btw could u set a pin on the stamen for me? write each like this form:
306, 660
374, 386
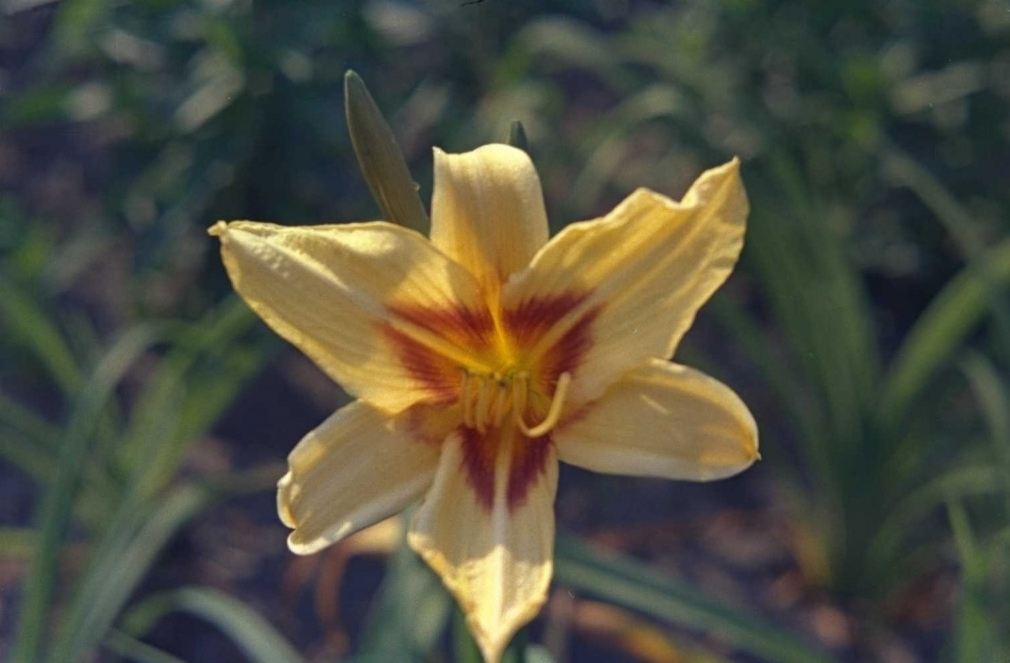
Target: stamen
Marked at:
483, 401
487, 398
557, 402
520, 390
501, 403
466, 399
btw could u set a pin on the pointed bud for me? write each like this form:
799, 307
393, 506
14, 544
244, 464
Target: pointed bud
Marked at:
380, 159
517, 136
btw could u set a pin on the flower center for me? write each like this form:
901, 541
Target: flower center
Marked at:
487, 398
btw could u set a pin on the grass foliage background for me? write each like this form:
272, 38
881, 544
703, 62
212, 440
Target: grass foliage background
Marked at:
868, 325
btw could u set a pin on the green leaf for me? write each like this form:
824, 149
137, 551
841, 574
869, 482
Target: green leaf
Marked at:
605, 150
562, 42
33, 427
25, 321
54, 511
465, 646
137, 651
954, 483
138, 531
940, 331
76, 25
538, 654
204, 369
467, 650
774, 370
977, 633
634, 585
136, 536
26, 441
818, 298
42, 104
381, 161
517, 136
959, 224
994, 397
253, 634
412, 615
17, 543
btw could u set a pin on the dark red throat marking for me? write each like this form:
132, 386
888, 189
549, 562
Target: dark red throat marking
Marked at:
526, 466
471, 331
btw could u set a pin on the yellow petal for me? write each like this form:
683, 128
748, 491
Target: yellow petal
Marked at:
487, 211
355, 469
639, 274
358, 300
662, 420
487, 528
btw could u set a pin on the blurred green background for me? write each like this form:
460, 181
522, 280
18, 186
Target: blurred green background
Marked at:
145, 414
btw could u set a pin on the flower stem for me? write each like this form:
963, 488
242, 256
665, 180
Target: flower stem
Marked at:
464, 645
467, 651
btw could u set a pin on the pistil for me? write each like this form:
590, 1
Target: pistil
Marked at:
553, 413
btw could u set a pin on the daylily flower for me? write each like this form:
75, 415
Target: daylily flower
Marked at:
485, 354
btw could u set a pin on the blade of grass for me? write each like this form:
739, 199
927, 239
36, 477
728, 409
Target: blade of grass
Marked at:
33, 427
211, 387
937, 334
464, 646
26, 455
605, 149
412, 613
539, 654
17, 543
186, 395
819, 296
977, 635
956, 483
774, 371
781, 265
135, 650
958, 223
253, 634
54, 512
27, 322
24, 320
999, 544
634, 585
138, 533
562, 42
119, 566
994, 397
467, 650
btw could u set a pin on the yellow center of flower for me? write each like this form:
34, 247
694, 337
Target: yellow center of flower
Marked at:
487, 398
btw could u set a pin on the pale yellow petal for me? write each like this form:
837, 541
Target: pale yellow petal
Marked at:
358, 467
662, 420
491, 540
639, 274
487, 211
356, 299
